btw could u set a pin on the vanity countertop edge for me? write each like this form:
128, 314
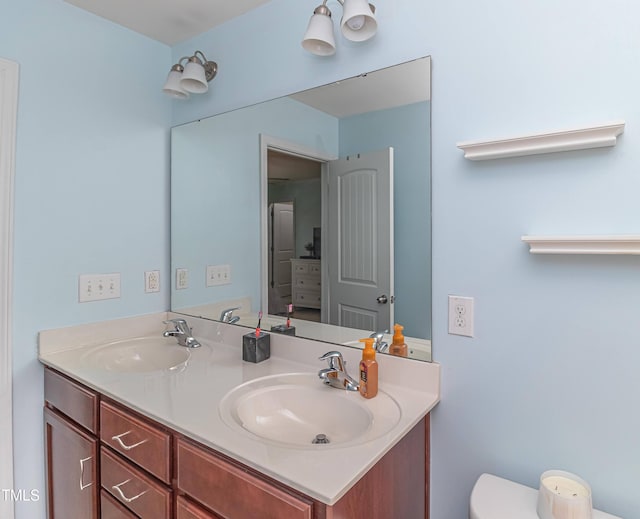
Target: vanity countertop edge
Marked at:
187, 401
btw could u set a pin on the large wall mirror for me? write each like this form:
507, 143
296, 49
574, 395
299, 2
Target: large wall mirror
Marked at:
314, 209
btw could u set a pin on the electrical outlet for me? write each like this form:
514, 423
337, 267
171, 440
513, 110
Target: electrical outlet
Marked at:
182, 279
152, 281
218, 275
95, 287
461, 315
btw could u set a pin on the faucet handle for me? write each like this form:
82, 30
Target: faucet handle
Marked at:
335, 359
227, 313
179, 324
380, 345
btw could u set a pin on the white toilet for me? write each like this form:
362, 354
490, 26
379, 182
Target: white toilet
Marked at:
496, 498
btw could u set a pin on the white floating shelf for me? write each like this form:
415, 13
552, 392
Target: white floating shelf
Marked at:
568, 140
614, 244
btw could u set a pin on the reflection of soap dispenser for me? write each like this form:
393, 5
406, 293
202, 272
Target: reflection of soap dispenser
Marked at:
398, 346
368, 370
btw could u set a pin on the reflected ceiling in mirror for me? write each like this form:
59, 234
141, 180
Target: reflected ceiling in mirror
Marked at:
230, 170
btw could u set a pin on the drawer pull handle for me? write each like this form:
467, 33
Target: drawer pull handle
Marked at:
122, 496
126, 447
82, 483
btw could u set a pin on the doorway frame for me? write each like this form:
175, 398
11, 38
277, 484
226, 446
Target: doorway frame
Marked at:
9, 73
268, 142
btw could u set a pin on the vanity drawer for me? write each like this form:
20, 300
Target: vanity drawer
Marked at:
111, 509
77, 402
188, 510
232, 492
137, 440
314, 269
133, 488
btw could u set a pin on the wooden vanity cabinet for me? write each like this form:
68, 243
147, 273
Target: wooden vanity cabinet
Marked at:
71, 448
71, 468
121, 465
395, 487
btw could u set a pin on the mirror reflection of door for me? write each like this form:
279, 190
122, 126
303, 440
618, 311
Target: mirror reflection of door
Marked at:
281, 251
293, 181
360, 245
350, 281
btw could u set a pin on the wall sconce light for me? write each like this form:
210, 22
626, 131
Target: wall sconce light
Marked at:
191, 78
358, 24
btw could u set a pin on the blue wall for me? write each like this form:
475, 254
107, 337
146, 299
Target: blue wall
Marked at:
91, 188
549, 380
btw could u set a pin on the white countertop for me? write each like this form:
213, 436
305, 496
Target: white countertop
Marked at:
187, 400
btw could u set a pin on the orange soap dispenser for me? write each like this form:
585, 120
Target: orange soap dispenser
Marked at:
398, 346
368, 370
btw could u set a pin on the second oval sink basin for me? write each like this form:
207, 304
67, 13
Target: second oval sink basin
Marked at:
297, 410
139, 355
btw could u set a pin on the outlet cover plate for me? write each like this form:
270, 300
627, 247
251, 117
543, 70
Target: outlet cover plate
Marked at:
461, 315
152, 281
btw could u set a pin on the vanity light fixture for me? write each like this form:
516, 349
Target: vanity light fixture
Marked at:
192, 78
358, 24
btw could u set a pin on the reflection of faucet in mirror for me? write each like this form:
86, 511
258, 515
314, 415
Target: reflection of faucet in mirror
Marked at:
380, 346
336, 374
182, 332
227, 315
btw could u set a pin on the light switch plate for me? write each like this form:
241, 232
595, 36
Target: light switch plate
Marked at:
95, 287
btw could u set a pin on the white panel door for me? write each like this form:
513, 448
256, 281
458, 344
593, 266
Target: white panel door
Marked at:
360, 241
281, 250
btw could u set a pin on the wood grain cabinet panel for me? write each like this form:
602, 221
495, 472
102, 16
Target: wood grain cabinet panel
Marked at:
188, 510
232, 492
71, 468
111, 509
137, 440
77, 402
133, 488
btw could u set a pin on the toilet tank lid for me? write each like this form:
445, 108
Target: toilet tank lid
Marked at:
496, 498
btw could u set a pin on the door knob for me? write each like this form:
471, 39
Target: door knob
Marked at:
382, 299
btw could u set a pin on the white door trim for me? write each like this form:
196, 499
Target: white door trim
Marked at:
275, 143
8, 113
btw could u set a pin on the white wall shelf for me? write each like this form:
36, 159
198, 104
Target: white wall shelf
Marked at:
567, 140
606, 244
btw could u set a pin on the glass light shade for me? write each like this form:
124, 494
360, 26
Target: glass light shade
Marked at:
358, 21
194, 79
172, 85
319, 39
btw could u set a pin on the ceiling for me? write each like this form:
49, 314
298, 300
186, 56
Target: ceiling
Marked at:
168, 21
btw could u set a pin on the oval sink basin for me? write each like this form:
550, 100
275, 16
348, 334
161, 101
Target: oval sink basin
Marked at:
139, 355
297, 410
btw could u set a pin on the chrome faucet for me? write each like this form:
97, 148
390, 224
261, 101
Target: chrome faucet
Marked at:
182, 332
380, 346
227, 315
336, 374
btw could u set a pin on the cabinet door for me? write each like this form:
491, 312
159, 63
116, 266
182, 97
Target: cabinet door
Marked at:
188, 510
72, 471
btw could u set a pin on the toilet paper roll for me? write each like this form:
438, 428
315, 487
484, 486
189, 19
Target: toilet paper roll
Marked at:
563, 495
